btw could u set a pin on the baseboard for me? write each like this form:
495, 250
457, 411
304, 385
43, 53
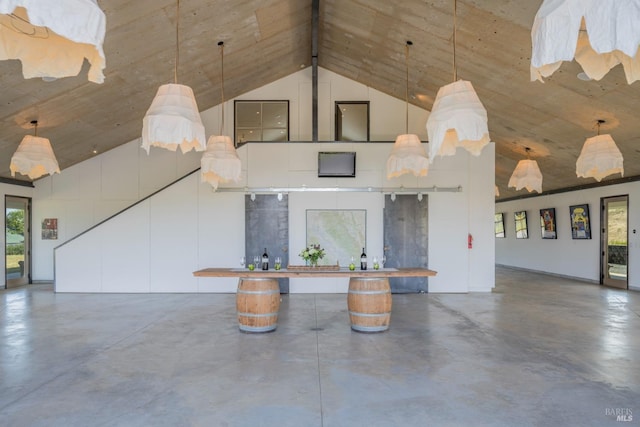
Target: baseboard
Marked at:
547, 273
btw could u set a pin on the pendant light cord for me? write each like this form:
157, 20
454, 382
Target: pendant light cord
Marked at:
175, 70
455, 24
221, 44
406, 91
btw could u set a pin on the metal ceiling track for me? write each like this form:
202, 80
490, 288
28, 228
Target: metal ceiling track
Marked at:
386, 190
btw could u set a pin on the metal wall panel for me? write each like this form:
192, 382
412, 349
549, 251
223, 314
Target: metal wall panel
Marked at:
267, 225
405, 240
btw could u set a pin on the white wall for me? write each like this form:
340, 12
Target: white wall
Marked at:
157, 244
565, 256
211, 230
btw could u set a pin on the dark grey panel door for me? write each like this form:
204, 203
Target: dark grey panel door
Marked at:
267, 226
405, 240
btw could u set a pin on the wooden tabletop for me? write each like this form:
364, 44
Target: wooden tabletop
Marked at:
343, 272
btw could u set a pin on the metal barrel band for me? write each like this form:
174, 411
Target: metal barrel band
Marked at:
257, 315
380, 292
265, 292
357, 313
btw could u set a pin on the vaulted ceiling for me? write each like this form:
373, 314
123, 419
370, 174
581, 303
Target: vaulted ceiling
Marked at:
359, 39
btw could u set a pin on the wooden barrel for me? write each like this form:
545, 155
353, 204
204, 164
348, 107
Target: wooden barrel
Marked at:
369, 303
257, 303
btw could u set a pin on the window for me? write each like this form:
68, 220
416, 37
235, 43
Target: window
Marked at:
352, 121
261, 121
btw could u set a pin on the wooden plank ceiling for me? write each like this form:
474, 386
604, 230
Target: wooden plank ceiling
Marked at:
359, 39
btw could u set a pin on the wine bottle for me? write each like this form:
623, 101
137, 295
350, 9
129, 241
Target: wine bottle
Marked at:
363, 260
265, 260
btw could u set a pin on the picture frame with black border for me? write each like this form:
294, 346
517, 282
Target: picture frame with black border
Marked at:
499, 225
548, 223
580, 222
522, 230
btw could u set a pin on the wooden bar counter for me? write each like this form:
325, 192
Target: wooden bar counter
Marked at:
369, 298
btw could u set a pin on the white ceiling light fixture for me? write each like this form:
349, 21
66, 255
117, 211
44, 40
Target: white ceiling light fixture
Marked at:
220, 162
458, 118
527, 175
600, 157
173, 119
408, 154
599, 34
34, 156
52, 38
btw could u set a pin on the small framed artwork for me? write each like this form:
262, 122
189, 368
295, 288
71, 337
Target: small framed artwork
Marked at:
50, 229
580, 222
499, 225
548, 223
521, 225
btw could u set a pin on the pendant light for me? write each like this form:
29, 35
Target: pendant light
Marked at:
34, 156
600, 157
598, 34
220, 162
53, 38
527, 175
458, 118
173, 119
407, 154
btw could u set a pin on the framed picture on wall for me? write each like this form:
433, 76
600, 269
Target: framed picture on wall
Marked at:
499, 225
50, 229
580, 222
341, 232
548, 223
521, 225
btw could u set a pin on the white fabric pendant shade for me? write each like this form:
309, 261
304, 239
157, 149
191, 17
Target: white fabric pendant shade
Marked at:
173, 120
220, 162
52, 38
600, 157
407, 156
34, 158
612, 37
458, 119
526, 175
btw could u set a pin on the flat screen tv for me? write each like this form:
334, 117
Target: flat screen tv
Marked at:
336, 164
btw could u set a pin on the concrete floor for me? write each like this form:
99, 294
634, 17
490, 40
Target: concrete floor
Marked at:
538, 351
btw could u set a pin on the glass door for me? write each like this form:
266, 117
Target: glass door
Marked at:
614, 241
17, 240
